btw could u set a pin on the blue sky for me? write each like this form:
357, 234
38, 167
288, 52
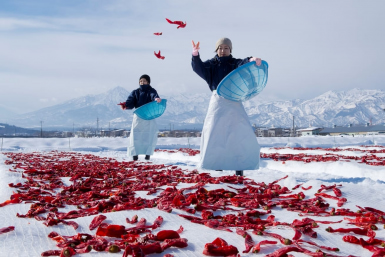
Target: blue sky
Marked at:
52, 51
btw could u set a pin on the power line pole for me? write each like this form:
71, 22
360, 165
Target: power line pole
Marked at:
41, 128
97, 125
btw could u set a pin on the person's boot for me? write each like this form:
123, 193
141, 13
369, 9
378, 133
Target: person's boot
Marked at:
147, 157
239, 172
135, 157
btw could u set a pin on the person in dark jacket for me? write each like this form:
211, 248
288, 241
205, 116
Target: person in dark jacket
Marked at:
144, 133
228, 141
215, 69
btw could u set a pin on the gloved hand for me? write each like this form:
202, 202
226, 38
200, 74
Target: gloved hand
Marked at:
196, 48
257, 61
158, 100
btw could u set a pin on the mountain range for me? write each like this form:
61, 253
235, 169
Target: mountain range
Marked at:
340, 108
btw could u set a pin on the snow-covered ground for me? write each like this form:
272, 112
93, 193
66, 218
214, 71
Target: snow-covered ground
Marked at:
362, 185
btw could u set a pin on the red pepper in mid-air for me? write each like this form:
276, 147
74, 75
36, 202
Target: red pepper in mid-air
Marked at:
180, 24
158, 55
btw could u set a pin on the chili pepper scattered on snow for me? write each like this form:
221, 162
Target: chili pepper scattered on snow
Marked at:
6, 230
101, 185
219, 247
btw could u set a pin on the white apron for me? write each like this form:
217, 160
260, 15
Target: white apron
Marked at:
228, 141
143, 137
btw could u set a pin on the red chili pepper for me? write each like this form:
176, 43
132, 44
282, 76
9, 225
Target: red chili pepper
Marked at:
219, 247
297, 235
283, 251
151, 248
96, 221
133, 220
6, 230
283, 240
358, 231
320, 246
51, 253
307, 188
297, 186
176, 242
362, 219
111, 231
85, 249
351, 239
337, 192
369, 247
166, 234
249, 243
257, 247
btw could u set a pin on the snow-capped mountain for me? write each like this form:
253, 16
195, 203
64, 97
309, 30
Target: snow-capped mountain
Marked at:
355, 106
340, 108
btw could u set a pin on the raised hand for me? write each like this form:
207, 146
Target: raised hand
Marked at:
196, 48
158, 100
257, 61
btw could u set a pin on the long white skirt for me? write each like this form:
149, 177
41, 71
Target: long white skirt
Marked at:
228, 141
143, 137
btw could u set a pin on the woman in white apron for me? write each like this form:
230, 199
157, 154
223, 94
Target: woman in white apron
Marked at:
228, 141
144, 133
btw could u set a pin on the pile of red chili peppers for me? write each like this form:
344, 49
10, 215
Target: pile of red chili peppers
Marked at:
102, 185
369, 158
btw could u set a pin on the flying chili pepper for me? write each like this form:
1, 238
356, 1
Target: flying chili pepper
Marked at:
158, 33
158, 55
123, 105
179, 23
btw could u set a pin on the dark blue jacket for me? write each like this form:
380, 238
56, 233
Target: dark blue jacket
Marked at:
215, 69
141, 96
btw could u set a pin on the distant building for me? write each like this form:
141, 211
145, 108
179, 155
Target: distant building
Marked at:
67, 134
115, 133
179, 133
261, 132
275, 132
309, 131
272, 132
354, 130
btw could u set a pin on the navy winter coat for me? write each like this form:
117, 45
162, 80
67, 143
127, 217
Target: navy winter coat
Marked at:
215, 69
141, 96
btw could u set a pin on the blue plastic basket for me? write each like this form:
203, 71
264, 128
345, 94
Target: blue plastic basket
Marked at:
245, 82
151, 110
